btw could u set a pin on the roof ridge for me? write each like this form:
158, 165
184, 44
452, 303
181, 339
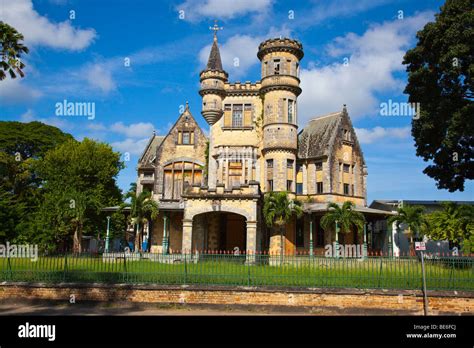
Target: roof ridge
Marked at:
325, 116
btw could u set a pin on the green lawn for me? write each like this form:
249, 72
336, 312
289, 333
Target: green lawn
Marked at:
447, 274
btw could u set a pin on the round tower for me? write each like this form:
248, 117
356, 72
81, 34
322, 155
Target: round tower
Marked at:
280, 88
212, 89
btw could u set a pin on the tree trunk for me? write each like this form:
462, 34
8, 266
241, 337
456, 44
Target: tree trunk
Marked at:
137, 238
77, 239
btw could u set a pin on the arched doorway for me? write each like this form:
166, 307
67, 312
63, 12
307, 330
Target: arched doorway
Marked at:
219, 231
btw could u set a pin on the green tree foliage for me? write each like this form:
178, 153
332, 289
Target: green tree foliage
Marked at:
346, 217
454, 223
22, 146
142, 210
78, 179
278, 209
11, 51
412, 217
440, 77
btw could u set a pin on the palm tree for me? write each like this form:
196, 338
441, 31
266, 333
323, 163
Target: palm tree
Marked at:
412, 216
278, 210
11, 51
345, 216
142, 209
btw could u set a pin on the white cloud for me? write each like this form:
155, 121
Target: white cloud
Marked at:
368, 136
132, 146
198, 10
134, 130
374, 58
14, 91
324, 10
55, 121
99, 76
39, 30
239, 52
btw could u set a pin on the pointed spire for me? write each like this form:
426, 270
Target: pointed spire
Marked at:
186, 109
214, 62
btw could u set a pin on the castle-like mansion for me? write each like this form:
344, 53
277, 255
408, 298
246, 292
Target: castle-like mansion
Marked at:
210, 190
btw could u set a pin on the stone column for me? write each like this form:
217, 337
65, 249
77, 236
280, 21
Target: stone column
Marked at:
187, 236
251, 241
165, 242
305, 179
212, 165
249, 170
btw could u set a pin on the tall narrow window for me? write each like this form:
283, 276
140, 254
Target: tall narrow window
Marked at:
290, 110
319, 166
237, 115
186, 138
346, 168
269, 175
289, 185
299, 179
346, 189
276, 66
319, 187
270, 185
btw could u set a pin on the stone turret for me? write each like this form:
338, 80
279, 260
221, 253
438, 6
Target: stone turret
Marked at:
280, 88
212, 81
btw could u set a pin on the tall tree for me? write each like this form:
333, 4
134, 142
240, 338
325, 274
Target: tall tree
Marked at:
83, 174
440, 77
11, 51
22, 146
278, 209
412, 217
143, 209
345, 216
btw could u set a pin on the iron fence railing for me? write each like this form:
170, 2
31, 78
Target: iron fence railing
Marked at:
442, 273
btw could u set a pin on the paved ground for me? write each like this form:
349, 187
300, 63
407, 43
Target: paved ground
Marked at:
27, 307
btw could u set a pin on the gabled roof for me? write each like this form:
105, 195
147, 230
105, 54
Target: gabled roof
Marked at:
318, 138
149, 153
214, 62
315, 139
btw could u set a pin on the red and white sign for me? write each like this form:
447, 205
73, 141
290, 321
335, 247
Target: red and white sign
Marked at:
420, 246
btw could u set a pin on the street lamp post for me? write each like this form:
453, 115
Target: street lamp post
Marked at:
311, 250
107, 238
165, 235
336, 243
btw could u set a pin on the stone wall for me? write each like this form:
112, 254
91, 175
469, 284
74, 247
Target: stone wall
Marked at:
439, 302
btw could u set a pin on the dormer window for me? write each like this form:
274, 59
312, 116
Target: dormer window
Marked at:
185, 137
346, 135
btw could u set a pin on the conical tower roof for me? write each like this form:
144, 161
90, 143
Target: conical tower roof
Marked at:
214, 62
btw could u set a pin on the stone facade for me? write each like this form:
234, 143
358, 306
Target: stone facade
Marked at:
254, 147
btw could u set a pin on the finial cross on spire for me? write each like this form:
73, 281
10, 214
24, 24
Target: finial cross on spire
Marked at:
215, 28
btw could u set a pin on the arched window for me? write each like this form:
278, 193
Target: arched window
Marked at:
177, 176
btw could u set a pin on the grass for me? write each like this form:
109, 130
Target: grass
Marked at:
403, 273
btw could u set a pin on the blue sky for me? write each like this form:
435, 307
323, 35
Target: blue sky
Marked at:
353, 53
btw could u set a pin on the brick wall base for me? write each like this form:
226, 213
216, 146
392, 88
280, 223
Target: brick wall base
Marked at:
404, 300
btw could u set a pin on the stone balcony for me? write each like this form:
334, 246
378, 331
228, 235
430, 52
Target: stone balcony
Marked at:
250, 190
